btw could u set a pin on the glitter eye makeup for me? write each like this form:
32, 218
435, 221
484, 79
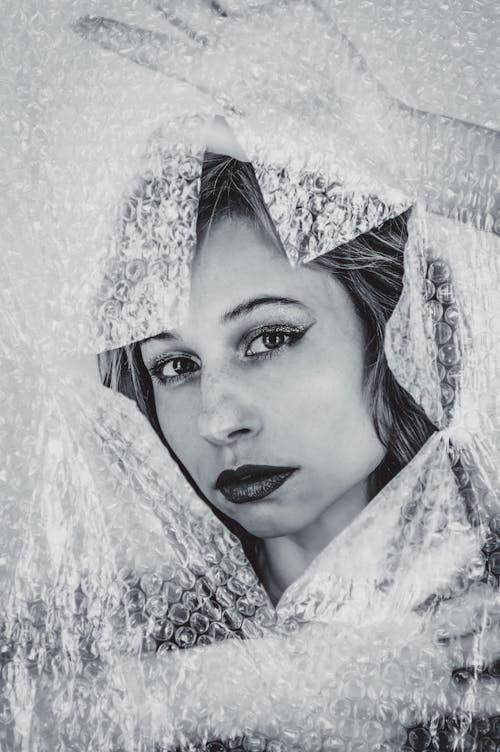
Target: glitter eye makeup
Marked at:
275, 336
273, 339
261, 343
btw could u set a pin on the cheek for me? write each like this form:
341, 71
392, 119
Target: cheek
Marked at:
177, 417
345, 440
322, 405
326, 381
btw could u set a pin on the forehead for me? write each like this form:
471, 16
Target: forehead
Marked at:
237, 262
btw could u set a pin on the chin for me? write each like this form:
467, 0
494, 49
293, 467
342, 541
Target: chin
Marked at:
267, 520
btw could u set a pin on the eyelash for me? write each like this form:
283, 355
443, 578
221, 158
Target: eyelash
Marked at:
294, 333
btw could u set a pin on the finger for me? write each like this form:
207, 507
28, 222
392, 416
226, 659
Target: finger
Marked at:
140, 45
156, 50
476, 609
237, 8
444, 698
203, 21
178, 58
480, 698
218, 8
196, 36
324, 9
196, 20
478, 653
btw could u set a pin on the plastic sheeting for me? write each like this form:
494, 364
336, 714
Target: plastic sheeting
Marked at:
110, 561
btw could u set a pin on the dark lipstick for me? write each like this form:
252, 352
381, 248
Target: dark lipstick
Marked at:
251, 482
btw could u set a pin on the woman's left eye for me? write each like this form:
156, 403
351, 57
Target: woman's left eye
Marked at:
272, 339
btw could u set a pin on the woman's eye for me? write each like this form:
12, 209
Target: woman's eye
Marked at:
168, 370
272, 340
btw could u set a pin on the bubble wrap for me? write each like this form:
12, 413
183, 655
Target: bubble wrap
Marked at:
130, 617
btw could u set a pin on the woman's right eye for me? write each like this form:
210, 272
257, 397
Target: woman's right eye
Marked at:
172, 369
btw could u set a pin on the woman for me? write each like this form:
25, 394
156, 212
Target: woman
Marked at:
219, 388
360, 579
379, 431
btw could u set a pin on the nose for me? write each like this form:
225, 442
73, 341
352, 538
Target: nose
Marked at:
226, 415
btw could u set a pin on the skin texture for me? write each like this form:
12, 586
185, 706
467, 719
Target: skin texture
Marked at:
244, 397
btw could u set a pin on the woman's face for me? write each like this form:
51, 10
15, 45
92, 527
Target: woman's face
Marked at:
266, 370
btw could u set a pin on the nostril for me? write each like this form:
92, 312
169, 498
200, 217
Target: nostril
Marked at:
228, 421
223, 434
238, 431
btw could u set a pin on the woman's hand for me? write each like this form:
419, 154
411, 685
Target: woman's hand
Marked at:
255, 60
284, 68
328, 679
394, 675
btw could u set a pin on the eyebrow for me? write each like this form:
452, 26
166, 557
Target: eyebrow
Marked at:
248, 305
240, 310
162, 335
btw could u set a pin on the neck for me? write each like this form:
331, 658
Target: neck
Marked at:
283, 559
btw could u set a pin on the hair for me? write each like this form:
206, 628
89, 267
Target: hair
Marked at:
371, 269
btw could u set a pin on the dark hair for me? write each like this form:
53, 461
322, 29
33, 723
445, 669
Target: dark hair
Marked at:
371, 270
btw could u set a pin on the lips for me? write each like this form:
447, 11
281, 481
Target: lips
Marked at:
251, 482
